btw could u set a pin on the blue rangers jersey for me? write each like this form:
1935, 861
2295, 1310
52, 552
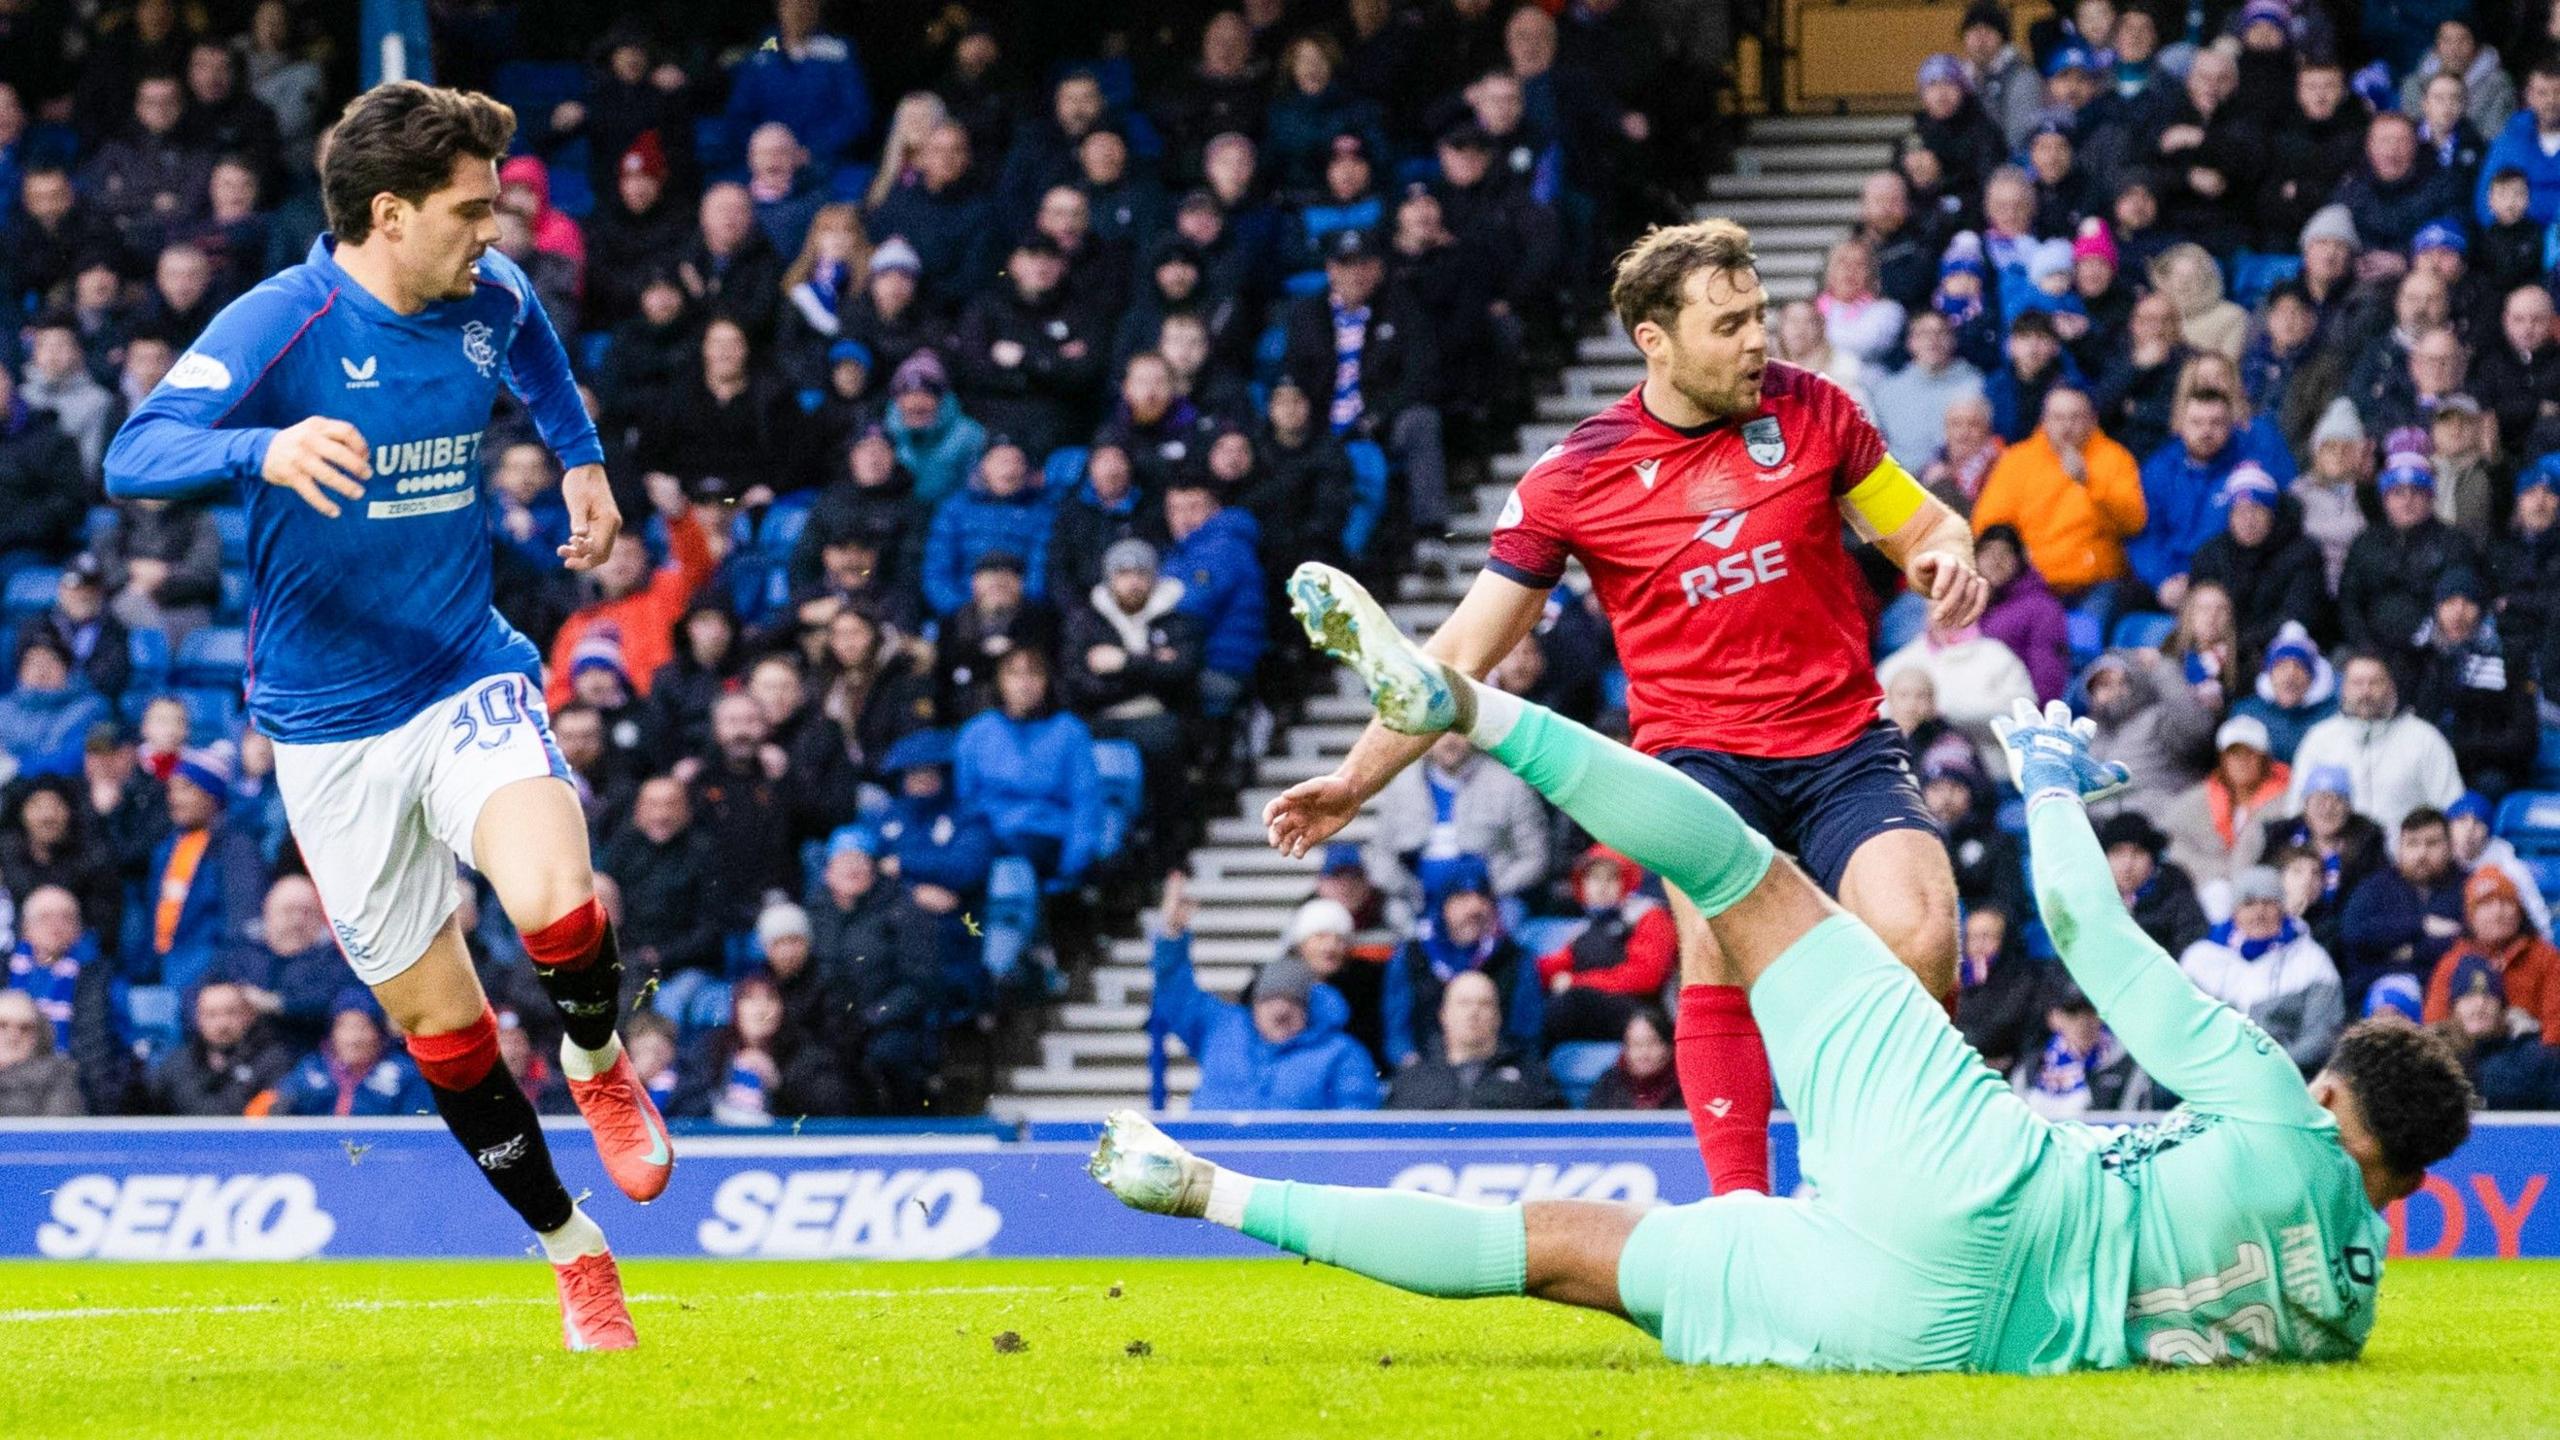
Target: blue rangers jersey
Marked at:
358, 623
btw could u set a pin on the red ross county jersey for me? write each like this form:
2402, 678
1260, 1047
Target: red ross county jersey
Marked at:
1741, 619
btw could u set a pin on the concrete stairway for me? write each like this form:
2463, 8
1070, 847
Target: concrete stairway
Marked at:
1796, 186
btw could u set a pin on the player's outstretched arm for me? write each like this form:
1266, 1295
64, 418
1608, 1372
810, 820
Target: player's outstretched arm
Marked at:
1489, 623
2207, 1052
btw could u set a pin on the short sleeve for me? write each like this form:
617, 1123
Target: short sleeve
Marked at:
1530, 541
1854, 437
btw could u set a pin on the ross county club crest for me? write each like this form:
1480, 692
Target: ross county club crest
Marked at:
1763, 441
477, 349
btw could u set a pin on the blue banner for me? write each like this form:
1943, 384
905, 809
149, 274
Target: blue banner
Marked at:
284, 1190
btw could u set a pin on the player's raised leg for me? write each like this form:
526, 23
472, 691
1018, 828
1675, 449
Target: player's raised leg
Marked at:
453, 1036
531, 841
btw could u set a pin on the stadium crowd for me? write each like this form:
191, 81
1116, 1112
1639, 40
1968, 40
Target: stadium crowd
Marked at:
2231, 328
968, 381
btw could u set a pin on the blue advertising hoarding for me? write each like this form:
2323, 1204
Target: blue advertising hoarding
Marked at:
282, 1190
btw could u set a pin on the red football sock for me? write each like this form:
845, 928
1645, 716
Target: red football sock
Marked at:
570, 942
1724, 1078
458, 1059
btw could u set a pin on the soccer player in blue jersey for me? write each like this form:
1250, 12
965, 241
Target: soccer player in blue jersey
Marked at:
342, 403
1951, 1228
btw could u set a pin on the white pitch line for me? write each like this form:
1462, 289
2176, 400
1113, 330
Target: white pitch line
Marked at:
119, 1312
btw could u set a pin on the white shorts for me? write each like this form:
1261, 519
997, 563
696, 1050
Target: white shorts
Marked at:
381, 820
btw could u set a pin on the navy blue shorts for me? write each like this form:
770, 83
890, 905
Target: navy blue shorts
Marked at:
1819, 808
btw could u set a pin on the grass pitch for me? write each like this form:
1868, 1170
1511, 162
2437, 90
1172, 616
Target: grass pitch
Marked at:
1228, 1348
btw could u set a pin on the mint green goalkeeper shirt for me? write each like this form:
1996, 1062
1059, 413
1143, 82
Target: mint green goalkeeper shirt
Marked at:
2248, 1235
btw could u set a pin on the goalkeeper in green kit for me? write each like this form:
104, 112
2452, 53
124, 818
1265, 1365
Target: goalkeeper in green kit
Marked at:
1949, 1227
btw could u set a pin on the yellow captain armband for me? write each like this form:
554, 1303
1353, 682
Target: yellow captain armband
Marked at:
1888, 497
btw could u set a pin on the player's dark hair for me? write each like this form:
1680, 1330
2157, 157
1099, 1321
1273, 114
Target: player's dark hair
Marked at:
403, 137
1655, 270
2409, 1083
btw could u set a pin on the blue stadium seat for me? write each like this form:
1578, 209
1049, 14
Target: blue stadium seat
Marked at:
594, 349
535, 88
2253, 275
1124, 776
30, 592
2530, 821
759, 565
572, 193
2088, 636
2142, 630
1368, 497
1269, 349
232, 524
212, 714
1577, 1065
151, 1015
234, 605
2546, 761
93, 531
149, 650
1547, 933
850, 182
1063, 471
212, 657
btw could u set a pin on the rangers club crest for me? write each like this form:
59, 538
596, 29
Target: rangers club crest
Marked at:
1763, 441
477, 349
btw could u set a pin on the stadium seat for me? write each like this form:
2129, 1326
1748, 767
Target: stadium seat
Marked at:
1124, 775
2142, 630
1577, 1065
212, 713
1368, 497
1063, 471
593, 350
232, 524
234, 605
2088, 636
535, 88
149, 651
2253, 275
759, 565
151, 1015
850, 183
2546, 761
30, 592
212, 657
1547, 933
93, 531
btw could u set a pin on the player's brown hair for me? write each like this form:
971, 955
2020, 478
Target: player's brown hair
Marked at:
403, 137
1653, 271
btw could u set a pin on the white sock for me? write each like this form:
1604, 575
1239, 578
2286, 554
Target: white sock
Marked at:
580, 1236
1497, 710
1228, 1192
583, 1064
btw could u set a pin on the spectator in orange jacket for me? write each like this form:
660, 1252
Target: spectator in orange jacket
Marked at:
1618, 963
2074, 495
2495, 929
641, 608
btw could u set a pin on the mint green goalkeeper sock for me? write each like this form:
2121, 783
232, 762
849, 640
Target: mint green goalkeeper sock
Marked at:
1423, 1243
1638, 806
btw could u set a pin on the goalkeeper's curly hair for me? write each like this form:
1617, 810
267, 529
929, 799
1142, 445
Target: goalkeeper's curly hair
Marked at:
2410, 1085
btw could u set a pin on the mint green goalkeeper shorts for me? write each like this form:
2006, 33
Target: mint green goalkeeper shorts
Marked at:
1933, 1189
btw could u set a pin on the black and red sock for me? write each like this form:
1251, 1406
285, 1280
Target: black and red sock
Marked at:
488, 1112
579, 963
1725, 1082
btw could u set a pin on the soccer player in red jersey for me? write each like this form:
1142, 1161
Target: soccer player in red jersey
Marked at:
1707, 508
